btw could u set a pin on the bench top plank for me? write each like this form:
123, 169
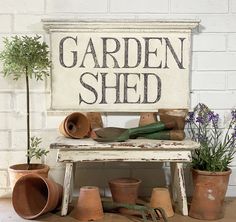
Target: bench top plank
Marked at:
63, 143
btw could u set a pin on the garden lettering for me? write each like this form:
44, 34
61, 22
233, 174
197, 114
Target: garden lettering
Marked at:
123, 69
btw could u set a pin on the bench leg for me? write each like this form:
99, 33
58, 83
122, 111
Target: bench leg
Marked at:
66, 189
178, 187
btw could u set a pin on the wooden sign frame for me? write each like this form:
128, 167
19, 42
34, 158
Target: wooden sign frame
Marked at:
120, 66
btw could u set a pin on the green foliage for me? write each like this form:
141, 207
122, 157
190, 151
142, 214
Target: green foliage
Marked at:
217, 148
34, 150
28, 57
25, 56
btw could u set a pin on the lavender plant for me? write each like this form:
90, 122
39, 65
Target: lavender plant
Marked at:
217, 146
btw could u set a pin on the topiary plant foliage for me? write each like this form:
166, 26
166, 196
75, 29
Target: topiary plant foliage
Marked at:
26, 57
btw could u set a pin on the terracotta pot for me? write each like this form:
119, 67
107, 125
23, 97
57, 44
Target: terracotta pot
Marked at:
95, 120
76, 125
147, 118
161, 198
176, 115
209, 193
19, 170
124, 190
89, 205
34, 195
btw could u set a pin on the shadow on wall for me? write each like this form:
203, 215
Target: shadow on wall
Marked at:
98, 174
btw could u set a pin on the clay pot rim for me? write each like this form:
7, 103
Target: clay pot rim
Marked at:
183, 112
14, 168
72, 115
160, 188
132, 181
89, 187
211, 173
34, 175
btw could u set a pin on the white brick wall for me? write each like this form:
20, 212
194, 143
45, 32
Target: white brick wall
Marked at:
79, 6
140, 6
210, 42
200, 6
213, 79
24, 6
6, 23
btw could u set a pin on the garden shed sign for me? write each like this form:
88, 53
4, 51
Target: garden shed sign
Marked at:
115, 65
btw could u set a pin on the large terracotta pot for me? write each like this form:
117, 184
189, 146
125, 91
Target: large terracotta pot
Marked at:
19, 170
89, 205
34, 195
76, 125
209, 193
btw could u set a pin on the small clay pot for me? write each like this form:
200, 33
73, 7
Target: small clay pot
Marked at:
19, 170
209, 193
75, 125
176, 115
34, 195
125, 190
89, 205
95, 120
147, 118
161, 198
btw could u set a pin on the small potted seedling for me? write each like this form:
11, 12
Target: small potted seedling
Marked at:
26, 57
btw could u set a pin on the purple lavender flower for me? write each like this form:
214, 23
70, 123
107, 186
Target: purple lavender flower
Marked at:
214, 117
202, 138
190, 118
234, 134
200, 120
210, 115
233, 113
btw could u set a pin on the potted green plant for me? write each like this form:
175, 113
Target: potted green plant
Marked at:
210, 164
26, 57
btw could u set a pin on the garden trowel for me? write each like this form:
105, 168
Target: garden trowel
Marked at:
116, 134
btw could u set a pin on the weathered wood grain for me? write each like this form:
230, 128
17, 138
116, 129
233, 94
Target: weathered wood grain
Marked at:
135, 144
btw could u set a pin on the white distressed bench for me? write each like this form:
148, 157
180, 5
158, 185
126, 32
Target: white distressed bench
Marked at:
140, 150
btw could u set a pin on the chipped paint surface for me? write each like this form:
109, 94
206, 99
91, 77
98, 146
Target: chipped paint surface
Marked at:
128, 155
67, 143
139, 150
211, 197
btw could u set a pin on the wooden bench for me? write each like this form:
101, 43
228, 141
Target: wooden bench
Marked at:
71, 151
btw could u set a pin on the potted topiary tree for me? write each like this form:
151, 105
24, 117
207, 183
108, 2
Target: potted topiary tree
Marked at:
26, 57
210, 165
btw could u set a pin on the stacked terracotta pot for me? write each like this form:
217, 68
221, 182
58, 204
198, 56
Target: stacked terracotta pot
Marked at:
34, 195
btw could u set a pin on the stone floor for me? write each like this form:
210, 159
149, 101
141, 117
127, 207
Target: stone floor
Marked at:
7, 214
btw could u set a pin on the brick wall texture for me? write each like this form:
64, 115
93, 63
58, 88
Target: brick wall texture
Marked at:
213, 79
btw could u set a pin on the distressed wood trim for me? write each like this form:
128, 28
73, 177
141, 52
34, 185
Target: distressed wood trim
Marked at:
178, 187
128, 155
51, 25
135, 144
66, 189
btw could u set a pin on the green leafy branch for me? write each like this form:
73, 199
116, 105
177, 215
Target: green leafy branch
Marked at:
34, 150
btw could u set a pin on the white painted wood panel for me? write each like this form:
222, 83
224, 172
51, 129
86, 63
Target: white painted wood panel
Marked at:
125, 66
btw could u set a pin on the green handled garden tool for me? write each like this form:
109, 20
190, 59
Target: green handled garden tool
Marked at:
143, 210
165, 135
116, 134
